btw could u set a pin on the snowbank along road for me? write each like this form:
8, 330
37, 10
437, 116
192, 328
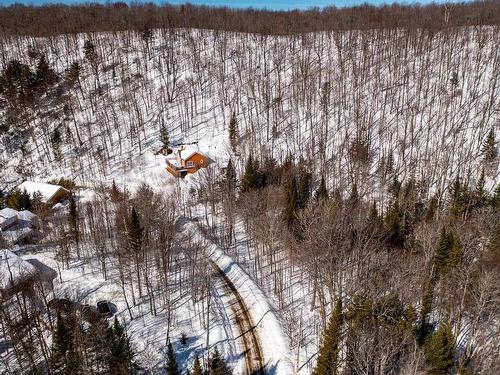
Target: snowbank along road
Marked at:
247, 334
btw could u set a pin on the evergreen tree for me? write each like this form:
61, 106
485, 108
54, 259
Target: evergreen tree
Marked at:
120, 352
480, 196
45, 76
321, 194
252, 178
25, 202
217, 365
90, 52
304, 190
489, 149
328, 358
73, 74
448, 253
375, 224
164, 136
233, 133
60, 344
424, 328
135, 231
230, 181
459, 198
73, 218
394, 225
197, 369
440, 350
172, 368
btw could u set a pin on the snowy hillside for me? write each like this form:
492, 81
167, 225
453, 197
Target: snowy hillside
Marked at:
375, 186
347, 102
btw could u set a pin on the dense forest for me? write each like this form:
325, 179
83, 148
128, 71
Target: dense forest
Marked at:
355, 180
119, 16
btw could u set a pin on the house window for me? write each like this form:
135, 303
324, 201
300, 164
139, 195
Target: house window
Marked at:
189, 164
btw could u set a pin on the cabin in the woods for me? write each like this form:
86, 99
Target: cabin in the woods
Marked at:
48, 193
186, 159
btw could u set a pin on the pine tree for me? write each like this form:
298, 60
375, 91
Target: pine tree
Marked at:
165, 141
252, 178
440, 350
120, 351
197, 369
135, 231
60, 345
321, 194
448, 253
459, 198
233, 133
304, 190
424, 328
230, 181
217, 365
394, 225
89, 51
489, 149
73, 218
328, 358
25, 202
73, 74
480, 196
45, 76
172, 368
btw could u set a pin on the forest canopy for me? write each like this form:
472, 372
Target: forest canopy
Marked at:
58, 19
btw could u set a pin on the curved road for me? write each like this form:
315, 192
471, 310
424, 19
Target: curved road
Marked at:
250, 341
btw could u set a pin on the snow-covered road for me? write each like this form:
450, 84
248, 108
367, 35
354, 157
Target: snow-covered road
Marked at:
264, 321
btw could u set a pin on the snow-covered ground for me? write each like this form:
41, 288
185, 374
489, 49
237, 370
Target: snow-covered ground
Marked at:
402, 103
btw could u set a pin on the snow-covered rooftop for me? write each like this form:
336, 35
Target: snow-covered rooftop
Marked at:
47, 191
13, 269
187, 151
8, 216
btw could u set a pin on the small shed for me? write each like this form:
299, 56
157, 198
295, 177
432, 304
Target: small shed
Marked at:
49, 193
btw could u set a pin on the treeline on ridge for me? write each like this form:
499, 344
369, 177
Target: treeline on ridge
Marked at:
59, 19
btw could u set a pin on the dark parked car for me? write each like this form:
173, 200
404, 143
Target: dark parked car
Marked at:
104, 308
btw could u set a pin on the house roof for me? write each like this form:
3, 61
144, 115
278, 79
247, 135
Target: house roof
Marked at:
13, 269
7, 213
188, 151
47, 191
26, 215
